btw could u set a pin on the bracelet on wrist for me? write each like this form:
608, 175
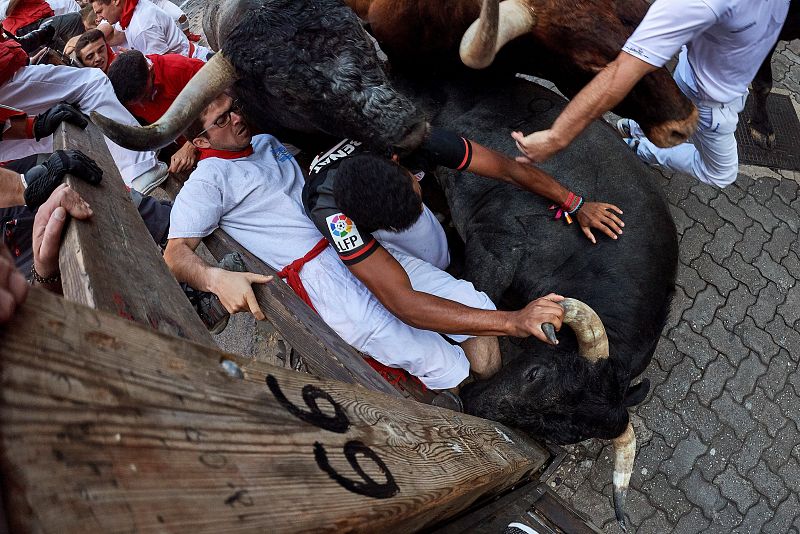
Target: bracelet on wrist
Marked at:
39, 279
569, 207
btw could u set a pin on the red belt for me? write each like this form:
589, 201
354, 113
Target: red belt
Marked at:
292, 271
191, 49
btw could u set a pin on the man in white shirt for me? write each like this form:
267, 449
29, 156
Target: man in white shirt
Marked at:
722, 43
143, 26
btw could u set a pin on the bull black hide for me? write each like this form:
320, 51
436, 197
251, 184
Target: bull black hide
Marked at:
516, 252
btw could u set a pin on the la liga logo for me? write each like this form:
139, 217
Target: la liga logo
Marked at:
341, 225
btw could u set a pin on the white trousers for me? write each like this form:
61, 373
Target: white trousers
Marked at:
37, 88
354, 313
710, 155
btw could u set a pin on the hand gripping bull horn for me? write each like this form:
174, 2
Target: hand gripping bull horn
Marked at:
499, 23
211, 80
593, 345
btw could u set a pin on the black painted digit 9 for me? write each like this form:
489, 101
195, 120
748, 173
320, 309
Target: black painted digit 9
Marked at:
366, 486
338, 423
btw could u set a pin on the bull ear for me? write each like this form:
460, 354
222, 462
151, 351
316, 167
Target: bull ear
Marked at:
636, 394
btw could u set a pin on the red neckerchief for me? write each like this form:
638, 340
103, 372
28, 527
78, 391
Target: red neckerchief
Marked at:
127, 13
224, 154
110, 56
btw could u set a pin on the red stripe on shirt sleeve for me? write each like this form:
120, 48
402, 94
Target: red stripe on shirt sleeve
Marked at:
369, 246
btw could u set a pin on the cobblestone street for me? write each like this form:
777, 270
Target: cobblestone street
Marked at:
719, 446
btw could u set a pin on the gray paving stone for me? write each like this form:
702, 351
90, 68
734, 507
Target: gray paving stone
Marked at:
784, 336
698, 417
666, 497
790, 308
704, 193
725, 342
772, 271
693, 523
785, 212
759, 213
705, 306
778, 369
768, 484
688, 280
734, 414
784, 516
586, 500
744, 272
680, 303
736, 488
757, 339
780, 242
735, 308
766, 306
753, 447
724, 448
762, 188
792, 263
752, 242
716, 274
657, 523
721, 245
692, 243
682, 221
730, 212
677, 385
787, 400
787, 190
789, 472
666, 355
755, 518
692, 344
747, 372
725, 521
666, 423
702, 494
683, 458
715, 376
765, 411
678, 187
734, 192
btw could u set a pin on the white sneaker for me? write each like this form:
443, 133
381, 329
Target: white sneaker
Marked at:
148, 181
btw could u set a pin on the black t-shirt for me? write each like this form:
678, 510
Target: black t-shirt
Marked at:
440, 148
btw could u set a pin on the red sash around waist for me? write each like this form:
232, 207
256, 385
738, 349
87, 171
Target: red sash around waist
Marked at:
292, 271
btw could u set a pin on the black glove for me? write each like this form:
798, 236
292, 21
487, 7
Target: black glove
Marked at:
41, 37
43, 179
46, 123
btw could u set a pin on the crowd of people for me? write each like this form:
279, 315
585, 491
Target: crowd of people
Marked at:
351, 236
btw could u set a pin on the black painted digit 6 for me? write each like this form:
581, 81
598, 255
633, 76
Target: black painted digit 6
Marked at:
366, 486
338, 423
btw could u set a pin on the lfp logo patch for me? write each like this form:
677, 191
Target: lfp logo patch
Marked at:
344, 232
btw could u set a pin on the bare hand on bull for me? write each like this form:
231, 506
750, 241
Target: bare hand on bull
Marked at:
537, 146
529, 320
600, 215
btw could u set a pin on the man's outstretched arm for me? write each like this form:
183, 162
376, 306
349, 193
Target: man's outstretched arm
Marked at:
492, 164
605, 91
388, 281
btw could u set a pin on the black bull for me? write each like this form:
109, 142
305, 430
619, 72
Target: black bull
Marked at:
516, 252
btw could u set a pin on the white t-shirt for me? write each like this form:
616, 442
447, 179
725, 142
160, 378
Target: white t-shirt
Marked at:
727, 40
257, 200
62, 7
152, 31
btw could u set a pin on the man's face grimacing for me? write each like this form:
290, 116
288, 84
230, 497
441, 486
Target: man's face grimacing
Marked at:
95, 55
110, 12
225, 128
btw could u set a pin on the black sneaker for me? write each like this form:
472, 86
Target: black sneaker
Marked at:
449, 400
519, 528
208, 306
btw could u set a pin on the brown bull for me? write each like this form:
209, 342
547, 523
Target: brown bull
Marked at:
565, 41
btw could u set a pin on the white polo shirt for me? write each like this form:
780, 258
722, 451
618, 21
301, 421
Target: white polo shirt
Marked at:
152, 31
727, 40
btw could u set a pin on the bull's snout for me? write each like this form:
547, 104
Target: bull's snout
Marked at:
673, 132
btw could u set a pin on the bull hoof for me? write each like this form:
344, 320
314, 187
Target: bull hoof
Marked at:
763, 139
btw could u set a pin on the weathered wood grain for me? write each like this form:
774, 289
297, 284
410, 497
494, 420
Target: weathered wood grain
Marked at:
107, 426
110, 262
325, 353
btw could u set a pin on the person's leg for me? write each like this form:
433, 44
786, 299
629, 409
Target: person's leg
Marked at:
37, 88
483, 353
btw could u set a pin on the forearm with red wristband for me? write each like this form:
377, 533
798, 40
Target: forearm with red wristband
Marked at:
569, 207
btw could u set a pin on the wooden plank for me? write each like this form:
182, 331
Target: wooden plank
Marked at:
325, 353
111, 262
108, 426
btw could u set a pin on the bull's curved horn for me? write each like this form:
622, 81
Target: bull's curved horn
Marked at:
211, 80
497, 25
624, 455
588, 328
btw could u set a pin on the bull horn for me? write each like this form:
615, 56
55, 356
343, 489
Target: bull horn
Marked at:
624, 455
211, 80
588, 328
497, 24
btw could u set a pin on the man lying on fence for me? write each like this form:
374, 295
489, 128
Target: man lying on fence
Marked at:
251, 187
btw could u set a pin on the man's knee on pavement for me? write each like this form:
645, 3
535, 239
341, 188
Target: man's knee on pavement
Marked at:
483, 353
718, 175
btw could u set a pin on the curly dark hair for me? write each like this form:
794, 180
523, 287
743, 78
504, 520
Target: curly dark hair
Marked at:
376, 193
128, 74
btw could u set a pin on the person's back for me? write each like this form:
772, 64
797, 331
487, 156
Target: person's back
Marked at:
152, 31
